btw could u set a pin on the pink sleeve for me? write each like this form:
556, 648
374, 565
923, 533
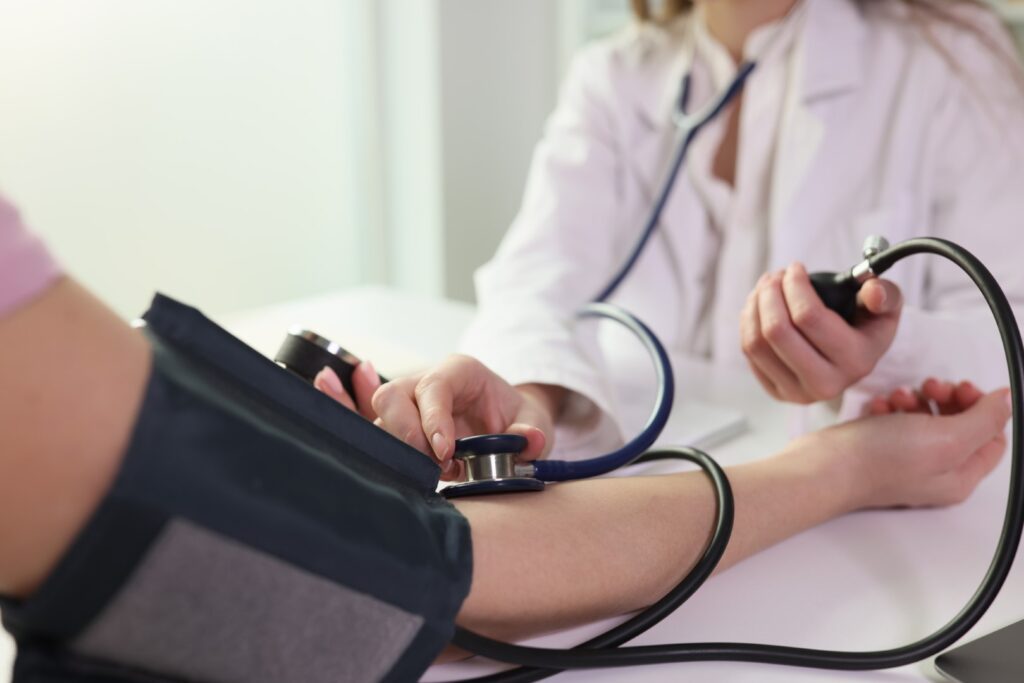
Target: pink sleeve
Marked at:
26, 267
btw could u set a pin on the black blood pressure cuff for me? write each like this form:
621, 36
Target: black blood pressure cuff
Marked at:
257, 531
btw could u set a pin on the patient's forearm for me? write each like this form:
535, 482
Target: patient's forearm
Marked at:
586, 550
73, 377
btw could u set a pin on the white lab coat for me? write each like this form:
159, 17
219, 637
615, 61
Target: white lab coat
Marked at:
878, 133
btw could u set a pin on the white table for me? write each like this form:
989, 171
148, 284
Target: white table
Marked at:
870, 580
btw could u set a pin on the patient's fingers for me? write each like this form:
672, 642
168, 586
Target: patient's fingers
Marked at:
905, 400
967, 395
879, 406
365, 382
328, 382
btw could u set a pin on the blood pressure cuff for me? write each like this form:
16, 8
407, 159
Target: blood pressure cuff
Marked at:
257, 531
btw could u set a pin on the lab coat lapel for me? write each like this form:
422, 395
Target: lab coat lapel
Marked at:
656, 137
688, 238
830, 58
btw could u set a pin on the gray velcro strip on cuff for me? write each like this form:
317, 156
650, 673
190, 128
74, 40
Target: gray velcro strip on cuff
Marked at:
204, 607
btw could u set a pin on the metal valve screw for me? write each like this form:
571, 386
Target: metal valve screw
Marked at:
874, 244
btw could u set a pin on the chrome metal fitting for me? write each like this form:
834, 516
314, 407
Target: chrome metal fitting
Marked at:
874, 245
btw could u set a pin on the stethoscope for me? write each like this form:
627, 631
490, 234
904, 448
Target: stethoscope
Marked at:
491, 461
492, 466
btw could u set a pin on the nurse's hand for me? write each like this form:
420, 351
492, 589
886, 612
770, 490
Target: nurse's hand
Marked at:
462, 397
802, 351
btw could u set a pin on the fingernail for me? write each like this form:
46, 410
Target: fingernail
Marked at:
440, 446
331, 381
884, 295
447, 466
1009, 400
366, 367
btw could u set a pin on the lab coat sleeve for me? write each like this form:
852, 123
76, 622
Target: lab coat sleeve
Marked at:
556, 256
976, 148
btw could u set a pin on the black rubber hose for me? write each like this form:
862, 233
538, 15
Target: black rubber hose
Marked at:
677, 596
551, 660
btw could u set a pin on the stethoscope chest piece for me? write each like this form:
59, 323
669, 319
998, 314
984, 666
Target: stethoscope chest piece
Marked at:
491, 466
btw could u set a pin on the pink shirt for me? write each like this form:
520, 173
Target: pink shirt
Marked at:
26, 267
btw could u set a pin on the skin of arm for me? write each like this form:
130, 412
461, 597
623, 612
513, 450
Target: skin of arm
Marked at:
73, 380
660, 525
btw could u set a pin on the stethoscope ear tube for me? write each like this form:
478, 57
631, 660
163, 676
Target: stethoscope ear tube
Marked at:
564, 470
602, 651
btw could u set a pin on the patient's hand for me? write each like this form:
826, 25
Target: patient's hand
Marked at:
916, 458
365, 381
934, 396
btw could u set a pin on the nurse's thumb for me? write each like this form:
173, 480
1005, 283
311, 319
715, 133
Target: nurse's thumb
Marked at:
536, 440
880, 297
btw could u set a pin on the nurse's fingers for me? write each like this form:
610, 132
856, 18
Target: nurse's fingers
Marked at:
819, 379
781, 382
536, 440
329, 383
750, 339
435, 401
880, 297
398, 413
821, 326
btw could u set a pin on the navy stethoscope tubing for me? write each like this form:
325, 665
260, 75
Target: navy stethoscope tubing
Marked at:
519, 477
689, 125
565, 470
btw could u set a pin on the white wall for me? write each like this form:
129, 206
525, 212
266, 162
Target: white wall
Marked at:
499, 78
465, 88
209, 149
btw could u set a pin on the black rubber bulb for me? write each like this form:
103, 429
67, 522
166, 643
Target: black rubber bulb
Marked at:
838, 291
306, 353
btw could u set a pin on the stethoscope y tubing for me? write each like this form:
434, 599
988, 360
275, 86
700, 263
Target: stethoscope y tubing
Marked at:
602, 651
689, 125
565, 470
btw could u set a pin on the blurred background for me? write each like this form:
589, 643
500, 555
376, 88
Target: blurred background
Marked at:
239, 153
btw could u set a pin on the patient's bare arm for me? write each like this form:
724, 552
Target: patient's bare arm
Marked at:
634, 538
73, 376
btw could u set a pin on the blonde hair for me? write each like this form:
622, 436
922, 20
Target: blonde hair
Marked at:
924, 13
670, 9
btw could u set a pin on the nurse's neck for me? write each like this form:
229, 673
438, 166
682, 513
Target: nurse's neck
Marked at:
731, 21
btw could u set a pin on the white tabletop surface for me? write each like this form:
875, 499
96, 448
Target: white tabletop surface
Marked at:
871, 580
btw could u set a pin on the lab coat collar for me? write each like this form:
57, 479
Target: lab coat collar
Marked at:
832, 40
